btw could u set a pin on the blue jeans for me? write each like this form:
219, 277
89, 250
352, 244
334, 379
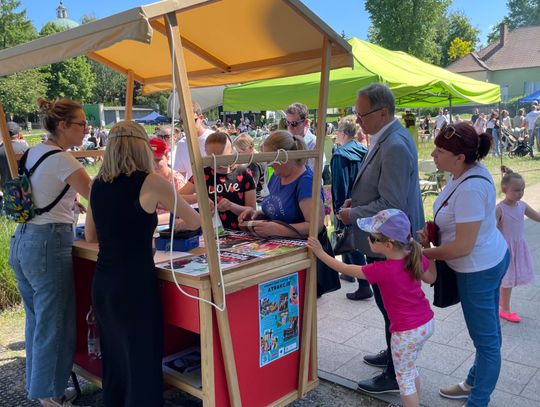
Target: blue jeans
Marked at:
479, 294
495, 140
40, 256
533, 134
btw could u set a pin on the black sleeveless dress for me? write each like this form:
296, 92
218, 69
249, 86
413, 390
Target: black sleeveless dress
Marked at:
125, 295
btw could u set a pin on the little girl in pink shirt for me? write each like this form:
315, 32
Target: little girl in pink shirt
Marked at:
399, 278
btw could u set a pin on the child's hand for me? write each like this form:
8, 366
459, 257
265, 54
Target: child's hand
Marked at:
247, 214
224, 205
315, 246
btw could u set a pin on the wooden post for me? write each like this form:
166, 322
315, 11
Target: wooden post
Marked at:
182, 85
10, 154
309, 328
129, 96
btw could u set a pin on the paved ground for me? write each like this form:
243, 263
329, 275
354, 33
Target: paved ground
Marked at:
349, 330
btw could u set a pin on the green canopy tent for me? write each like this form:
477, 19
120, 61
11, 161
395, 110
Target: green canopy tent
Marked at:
415, 84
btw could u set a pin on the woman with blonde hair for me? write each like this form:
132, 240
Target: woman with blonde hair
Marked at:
288, 205
122, 218
40, 253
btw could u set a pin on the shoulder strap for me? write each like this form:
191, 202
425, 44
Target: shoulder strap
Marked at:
22, 165
454, 190
41, 159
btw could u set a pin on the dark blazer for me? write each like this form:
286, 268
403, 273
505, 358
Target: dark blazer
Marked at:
388, 178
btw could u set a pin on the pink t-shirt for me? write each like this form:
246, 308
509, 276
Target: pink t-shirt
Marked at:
404, 300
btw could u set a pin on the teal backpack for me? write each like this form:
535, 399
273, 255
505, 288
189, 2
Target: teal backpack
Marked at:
18, 203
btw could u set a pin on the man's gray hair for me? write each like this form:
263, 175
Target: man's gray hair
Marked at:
299, 109
379, 96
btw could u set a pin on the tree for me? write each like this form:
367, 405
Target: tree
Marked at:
521, 13
19, 92
458, 26
458, 48
407, 25
110, 87
73, 78
15, 28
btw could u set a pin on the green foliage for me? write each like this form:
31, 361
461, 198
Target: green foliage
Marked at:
73, 78
15, 28
521, 13
110, 87
20, 91
458, 48
456, 25
158, 98
9, 294
407, 25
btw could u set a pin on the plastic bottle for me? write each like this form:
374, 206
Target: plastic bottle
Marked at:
94, 347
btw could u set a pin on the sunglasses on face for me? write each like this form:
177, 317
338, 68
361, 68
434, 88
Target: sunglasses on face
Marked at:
448, 131
374, 239
294, 123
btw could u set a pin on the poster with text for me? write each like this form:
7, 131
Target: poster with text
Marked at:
278, 318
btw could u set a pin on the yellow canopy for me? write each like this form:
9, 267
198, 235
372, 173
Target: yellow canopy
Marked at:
276, 38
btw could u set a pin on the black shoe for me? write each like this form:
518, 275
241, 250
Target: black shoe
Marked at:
378, 360
345, 277
379, 384
363, 293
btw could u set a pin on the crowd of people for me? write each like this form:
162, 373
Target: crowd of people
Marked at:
375, 196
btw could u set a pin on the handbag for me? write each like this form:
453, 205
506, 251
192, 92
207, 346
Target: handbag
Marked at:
344, 240
445, 287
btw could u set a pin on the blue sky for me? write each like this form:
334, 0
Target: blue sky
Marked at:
341, 15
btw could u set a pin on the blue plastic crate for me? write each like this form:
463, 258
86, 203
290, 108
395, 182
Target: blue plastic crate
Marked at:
179, 245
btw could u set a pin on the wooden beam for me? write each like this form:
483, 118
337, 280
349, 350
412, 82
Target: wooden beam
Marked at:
309, 332
191, 46
8, 147
182, 85
129, 96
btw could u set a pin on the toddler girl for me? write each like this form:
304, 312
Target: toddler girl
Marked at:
234, 187
244, 144
398, 277
511, 223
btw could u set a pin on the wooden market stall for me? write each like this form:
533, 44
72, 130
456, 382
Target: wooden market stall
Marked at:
183, 43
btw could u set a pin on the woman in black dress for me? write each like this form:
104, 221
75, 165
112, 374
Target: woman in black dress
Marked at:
122, 218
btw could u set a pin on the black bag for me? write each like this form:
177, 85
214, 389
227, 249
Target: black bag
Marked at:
445, 288
327, 278
344, 240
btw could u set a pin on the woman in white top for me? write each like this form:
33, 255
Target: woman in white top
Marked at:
40, 255
472, 245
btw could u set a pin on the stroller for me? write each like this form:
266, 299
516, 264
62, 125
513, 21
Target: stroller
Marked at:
515, 146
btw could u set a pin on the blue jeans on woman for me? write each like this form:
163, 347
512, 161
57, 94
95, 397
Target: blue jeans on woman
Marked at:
479, 294
40, 256
495, 140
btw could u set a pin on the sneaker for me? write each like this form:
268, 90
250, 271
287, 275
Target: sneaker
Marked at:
378, 360
457, 391
381, 383
362, 293
510, 316
51, 402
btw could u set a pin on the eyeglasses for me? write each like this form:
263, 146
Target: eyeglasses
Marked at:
82, 124
448, 132
361, 116
294, 123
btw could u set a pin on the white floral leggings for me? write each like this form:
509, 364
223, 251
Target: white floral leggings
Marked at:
405, 346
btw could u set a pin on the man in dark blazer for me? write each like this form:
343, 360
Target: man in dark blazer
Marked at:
387, 179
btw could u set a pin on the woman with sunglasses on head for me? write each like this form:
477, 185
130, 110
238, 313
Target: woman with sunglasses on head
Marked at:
472, 245
125, 292
40, 254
